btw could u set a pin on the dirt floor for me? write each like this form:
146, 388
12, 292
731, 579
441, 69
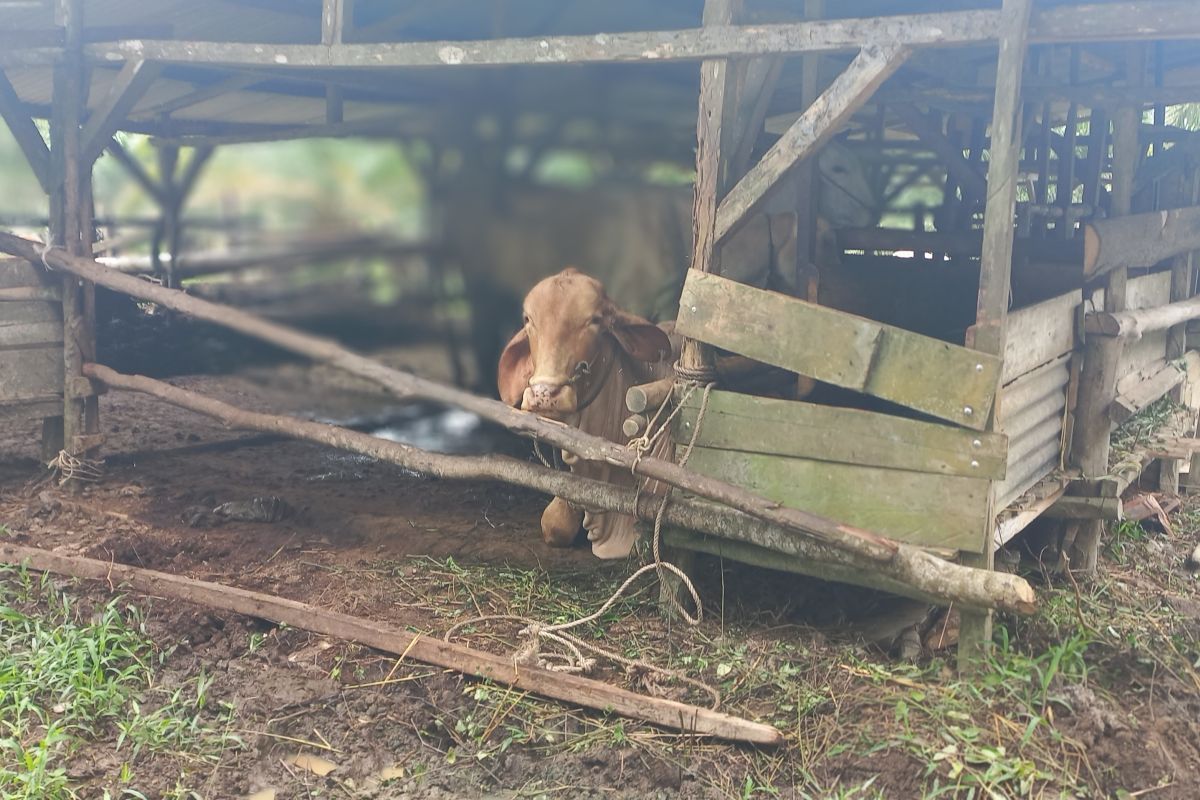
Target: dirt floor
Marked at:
1096, 696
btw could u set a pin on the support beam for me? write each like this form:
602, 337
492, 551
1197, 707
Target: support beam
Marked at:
712, 172
129, 86
695, 44
1090, 442
137, 172
995, 270
335, 20
1133, 324
26, 134
819, 122
1154, 19
1139, 240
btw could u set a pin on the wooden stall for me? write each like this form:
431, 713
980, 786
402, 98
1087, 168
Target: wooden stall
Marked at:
957, 364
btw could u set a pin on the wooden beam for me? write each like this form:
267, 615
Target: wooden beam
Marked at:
951, 155
695, 44
334, 14
128, 87
819, 122
503, 669
1132, 324
712, 171
995, 270
26, 133
1139, 240
1143, 394
1071, 507
915, 568
137, 172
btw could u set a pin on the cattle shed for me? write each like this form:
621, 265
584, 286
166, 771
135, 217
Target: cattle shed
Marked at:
954, 367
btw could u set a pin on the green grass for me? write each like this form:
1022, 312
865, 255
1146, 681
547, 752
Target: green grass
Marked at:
69, 678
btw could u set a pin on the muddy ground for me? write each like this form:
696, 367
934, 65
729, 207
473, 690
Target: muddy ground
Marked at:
372, 540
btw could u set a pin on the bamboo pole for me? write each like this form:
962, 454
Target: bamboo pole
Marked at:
391, 639
910, 571
590, 448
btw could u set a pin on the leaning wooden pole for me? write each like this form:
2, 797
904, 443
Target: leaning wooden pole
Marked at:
911, 571
402, 384
995, 268
391, 639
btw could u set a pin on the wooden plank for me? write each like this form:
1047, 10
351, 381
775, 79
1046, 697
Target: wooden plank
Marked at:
24, 312
1047, 331
127, 88
1086, 508
928, 375
916, 507
1144, 393
816, 125
31, 373
759, 556
31, 409
25, 132
750, 424
1139, 240
22, 335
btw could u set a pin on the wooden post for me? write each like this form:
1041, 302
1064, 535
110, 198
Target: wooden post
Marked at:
71, 228
808, 272
695, 356
1182, 269
995, 271
1098, 380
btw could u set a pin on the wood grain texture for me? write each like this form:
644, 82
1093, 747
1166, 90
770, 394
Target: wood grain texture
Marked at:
927, 375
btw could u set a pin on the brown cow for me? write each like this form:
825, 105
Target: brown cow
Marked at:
574, 360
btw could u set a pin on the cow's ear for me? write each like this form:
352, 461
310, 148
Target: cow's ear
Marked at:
515, 370
640, 338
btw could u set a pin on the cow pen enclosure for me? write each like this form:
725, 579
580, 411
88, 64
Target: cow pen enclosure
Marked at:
923, 259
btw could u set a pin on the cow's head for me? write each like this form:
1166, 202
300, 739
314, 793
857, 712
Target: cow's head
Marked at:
555, 364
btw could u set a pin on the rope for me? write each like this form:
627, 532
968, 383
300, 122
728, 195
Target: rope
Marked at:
573, 659
69, 467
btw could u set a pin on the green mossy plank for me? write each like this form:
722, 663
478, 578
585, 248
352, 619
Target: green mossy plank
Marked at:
849, 436
917, 507
918, 372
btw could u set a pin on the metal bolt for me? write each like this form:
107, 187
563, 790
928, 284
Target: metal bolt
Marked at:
974, 465
968, 411
976, 443
979, 367
687, 424
693, 309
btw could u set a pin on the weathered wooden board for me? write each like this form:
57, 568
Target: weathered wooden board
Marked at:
1146, 291
1040, 333
31, 373
825, 433
917, 507
20, 312
24, 334
19, 272
1141, 394
928, 375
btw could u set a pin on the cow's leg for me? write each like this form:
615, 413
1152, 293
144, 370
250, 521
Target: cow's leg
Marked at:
561, 523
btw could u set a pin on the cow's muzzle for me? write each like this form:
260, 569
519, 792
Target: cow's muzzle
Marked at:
550, 399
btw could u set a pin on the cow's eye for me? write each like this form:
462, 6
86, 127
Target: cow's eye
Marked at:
597, 320
525, 320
